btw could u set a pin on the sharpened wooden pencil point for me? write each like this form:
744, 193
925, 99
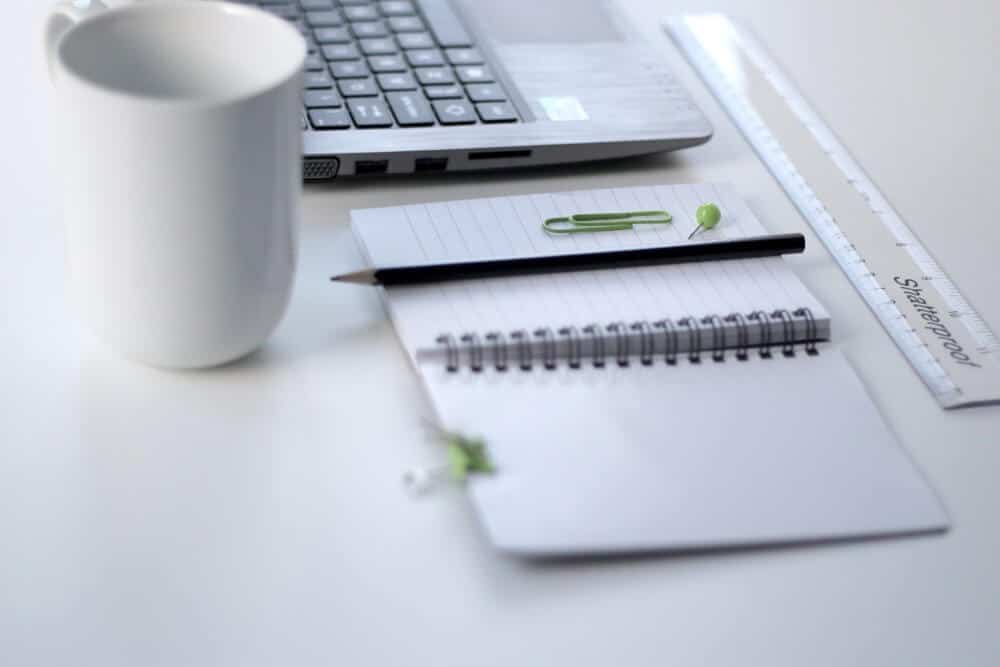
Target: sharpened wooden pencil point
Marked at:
363, 277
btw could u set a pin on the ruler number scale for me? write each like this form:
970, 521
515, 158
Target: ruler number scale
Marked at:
946, 341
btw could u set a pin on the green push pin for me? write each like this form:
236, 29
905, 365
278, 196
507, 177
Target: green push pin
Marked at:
707, 216
467, 456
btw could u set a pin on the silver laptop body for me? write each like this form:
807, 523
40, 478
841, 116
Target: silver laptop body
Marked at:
404, 86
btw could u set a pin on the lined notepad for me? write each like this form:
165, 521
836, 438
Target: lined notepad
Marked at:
511, 226
673, 407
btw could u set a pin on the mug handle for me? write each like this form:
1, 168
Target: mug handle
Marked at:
67, 14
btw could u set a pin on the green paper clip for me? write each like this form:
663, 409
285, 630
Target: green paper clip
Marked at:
604, 222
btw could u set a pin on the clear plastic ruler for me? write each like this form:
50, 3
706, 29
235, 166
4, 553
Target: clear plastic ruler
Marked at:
945, 340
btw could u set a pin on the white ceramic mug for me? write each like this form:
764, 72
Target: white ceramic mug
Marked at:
180, 147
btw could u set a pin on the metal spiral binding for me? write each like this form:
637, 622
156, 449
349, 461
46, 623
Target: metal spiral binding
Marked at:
575, 346
523, 343
451, 355
594, 331
694, 338
499, 345
811, 333
718, 337
475, 348
670, 340
544, 344
621, 342
646, 342
764, 325
787, 331
548, 347
742, 334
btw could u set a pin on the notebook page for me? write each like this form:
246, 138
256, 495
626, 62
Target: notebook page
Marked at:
511, 226
645, 456
683, 457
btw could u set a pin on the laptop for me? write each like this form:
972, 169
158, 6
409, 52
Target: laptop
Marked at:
404, 86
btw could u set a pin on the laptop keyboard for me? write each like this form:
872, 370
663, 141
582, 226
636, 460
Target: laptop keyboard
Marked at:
391, 64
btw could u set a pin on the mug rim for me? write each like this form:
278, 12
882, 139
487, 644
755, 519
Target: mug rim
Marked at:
213, 100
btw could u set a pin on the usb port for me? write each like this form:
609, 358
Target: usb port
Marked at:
425, 164
365, 167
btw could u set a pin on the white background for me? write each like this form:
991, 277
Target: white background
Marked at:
254, 516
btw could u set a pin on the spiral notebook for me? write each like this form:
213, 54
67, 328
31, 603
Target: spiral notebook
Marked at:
675, 407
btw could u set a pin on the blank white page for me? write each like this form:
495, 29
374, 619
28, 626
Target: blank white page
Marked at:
511, 226
683, 457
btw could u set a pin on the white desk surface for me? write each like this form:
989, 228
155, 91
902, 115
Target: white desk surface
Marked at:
254, 515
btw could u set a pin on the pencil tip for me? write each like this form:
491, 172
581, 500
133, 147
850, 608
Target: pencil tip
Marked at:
365, 277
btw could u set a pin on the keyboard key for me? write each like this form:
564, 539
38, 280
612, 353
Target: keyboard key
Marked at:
454, 112
322, 99
443, 92
314, 63
410, 109
310, 5
357, 87
429, 76
341, 52
406, 24
424, 58
324, 19
496, 112
370, 113
465, 57
413, 50
396, 8
387, 64
360, 13
444, 24
349, 69
304, 121
315, 80
486, 92
378, 47
285, 11
415, 40
474, 74
329, 119
332, 35
402, 81
369, 29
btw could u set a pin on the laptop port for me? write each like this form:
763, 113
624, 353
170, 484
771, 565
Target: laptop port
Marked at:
499, 155
365, 167
320, 168
426, 164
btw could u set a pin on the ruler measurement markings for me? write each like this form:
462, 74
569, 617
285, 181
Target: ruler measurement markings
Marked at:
866, 188
903, 243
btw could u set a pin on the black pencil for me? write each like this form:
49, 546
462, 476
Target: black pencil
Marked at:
755, 246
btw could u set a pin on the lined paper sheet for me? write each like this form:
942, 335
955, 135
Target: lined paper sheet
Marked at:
647, 456
511, 226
